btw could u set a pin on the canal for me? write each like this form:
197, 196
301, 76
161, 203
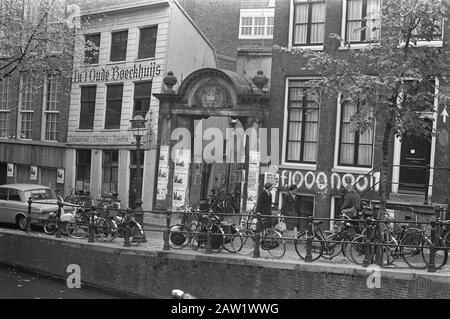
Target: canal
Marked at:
18, 284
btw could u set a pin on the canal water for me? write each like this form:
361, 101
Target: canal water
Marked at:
17, 284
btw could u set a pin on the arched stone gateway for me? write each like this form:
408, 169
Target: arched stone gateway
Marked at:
196, 124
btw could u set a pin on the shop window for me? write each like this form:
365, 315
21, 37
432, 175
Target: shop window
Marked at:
87, 110
91, 48
147, 42
113, 106
110, 171
83, 170
142, 96
119, 41
303, 123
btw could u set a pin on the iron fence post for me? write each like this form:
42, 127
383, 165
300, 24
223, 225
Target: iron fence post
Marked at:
126, 237
30, 201
432, 264
309, 238
257, 236
166, 234
208, 249
91, 228
58, 219
367, 246
427, 178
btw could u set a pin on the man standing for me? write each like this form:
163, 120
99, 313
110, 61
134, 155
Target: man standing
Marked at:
264, 205
289, 208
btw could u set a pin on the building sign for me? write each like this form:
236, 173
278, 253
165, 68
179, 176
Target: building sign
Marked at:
117, 73
324, 181
33, 173
111, 139
60, 176
10, 170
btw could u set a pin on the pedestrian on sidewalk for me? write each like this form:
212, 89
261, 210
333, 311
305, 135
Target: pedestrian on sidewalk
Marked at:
290, 208
264, 206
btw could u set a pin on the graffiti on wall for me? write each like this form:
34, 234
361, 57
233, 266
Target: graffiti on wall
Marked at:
325, 181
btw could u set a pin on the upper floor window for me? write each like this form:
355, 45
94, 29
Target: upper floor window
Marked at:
142, 96
91, 48
309, 22
355, 146
5, 106
87, 110
302, 123
119, 41
113, 106
26, 105
51, 110
256, 23
362, 20
147, 42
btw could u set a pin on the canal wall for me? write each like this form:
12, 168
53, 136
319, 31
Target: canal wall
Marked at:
154, 274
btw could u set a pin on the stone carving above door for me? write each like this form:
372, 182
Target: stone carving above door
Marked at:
212, 95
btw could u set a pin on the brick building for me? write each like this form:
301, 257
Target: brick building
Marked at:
322, 158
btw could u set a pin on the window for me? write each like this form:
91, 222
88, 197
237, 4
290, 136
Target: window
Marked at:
147, 42
119, 46
56, 43
3, 193
113, 106
110, 171
422, 33
303, 123
91, 48
83, 170
5, 103
256, 23
26, 106
52, 104
363, 21
309, 22
142, 95
87, 110
14, 195
355, 147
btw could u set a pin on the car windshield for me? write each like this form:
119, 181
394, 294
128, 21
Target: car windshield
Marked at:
39, 194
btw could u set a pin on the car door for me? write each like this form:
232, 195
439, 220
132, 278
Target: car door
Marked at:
3, 205
15, 205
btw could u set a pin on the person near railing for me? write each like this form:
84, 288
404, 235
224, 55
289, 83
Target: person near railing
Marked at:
352, 203
289, 207
264, 206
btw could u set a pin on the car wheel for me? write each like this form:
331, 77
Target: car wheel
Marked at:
21, 222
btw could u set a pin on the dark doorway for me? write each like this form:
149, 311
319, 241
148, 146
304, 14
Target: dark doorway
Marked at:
414, 163
3, 173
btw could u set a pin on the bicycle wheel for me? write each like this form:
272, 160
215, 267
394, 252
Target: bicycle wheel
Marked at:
77, 229
273, 243
179, 236
198, 237
356, 251
415, 257
103, 229
248, 244
50, 226
233, 243
217, 238
300, 246
332, 246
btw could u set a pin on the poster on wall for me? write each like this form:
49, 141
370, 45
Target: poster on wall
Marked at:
253, 177
163, 173
10, 170
33, 173
60, 176
180, 177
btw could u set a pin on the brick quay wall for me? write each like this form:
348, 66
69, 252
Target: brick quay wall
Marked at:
153, 274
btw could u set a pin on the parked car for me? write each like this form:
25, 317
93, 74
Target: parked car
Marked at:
14, 204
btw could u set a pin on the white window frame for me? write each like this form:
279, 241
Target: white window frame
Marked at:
291, 31
348, 169
5, 105
46, 112
284, 163
256, 13
22, 111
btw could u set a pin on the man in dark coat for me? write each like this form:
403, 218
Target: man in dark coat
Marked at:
289, 208
264, 205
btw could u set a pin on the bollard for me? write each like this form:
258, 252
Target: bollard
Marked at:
367, 246
166, 234
208, 249
126, 237
309, 238
256, 239
91, 228
30, 201
58, 220
431, 267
